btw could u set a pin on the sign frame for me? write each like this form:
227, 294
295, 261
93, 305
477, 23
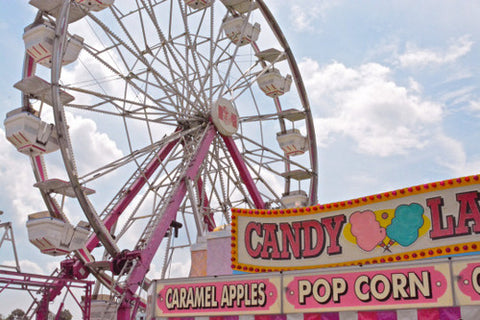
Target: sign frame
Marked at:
450, 226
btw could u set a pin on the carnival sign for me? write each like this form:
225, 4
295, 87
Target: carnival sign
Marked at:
417, 284
467, 275
430, 220
210, 296
373, 288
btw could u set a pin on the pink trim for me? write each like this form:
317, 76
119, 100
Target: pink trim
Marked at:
23, 137
42, 59
39, 165
30, 67
18, 140
84, 255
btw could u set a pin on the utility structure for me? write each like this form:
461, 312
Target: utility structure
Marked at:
8, 240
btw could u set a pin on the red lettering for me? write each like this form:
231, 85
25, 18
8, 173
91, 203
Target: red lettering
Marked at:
438, 231
291, 239
468, 211
222, 112
313, 230
251, 227
333, 225
234, 120
270, 243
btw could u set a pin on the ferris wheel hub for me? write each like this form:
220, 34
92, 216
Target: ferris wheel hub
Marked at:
224, 116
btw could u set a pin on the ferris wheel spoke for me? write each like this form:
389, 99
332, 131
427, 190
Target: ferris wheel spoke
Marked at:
190, 48
169, 52
134, 156
138, 56
131, 188
116, 103
129, 78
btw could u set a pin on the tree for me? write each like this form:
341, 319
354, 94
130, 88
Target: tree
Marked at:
17, 314
65, 315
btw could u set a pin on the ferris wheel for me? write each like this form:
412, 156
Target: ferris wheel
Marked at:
166, 115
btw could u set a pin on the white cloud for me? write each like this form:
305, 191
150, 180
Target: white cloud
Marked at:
92, 147
305, 14
26, 266
475, 106
418, 57
455, 158
366, 105
18, 182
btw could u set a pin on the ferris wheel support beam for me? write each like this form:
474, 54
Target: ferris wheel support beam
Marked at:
142, 267
132, 192
244, 173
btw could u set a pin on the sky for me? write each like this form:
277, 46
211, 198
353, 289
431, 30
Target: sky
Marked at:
394, 88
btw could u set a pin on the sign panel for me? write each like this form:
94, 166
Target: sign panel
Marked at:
467, 277
373, 288
432, 283
212, 296
435, 219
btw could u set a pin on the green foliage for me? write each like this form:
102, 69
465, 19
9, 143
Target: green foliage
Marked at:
65, 315
17, 314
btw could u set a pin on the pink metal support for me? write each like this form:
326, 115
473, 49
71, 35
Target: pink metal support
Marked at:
244, 173
142, 267
34, 283
133, 191
116, 212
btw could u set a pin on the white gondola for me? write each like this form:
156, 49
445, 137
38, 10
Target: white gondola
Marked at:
37, 88
273, 84
95, 5
60, 187
295, 199
54, 236
198, 4
102, 307
39, 45
53, 7
241, 6
297, 174
292, 142
233, 27
29, 134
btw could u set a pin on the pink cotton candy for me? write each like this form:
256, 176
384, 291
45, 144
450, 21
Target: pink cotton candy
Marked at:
367, 229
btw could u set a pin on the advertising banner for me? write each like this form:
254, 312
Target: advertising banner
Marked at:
423, 284
215, 296
467, 277
430, 220
370, 289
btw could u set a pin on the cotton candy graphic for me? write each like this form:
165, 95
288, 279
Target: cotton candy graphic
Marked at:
404, 227
366, 229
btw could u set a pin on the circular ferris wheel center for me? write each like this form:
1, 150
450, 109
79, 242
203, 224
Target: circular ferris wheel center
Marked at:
224, 116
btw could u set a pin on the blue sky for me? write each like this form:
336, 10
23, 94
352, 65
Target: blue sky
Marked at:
393, 85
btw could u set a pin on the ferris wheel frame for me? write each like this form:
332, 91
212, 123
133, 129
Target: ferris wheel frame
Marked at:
140, 261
